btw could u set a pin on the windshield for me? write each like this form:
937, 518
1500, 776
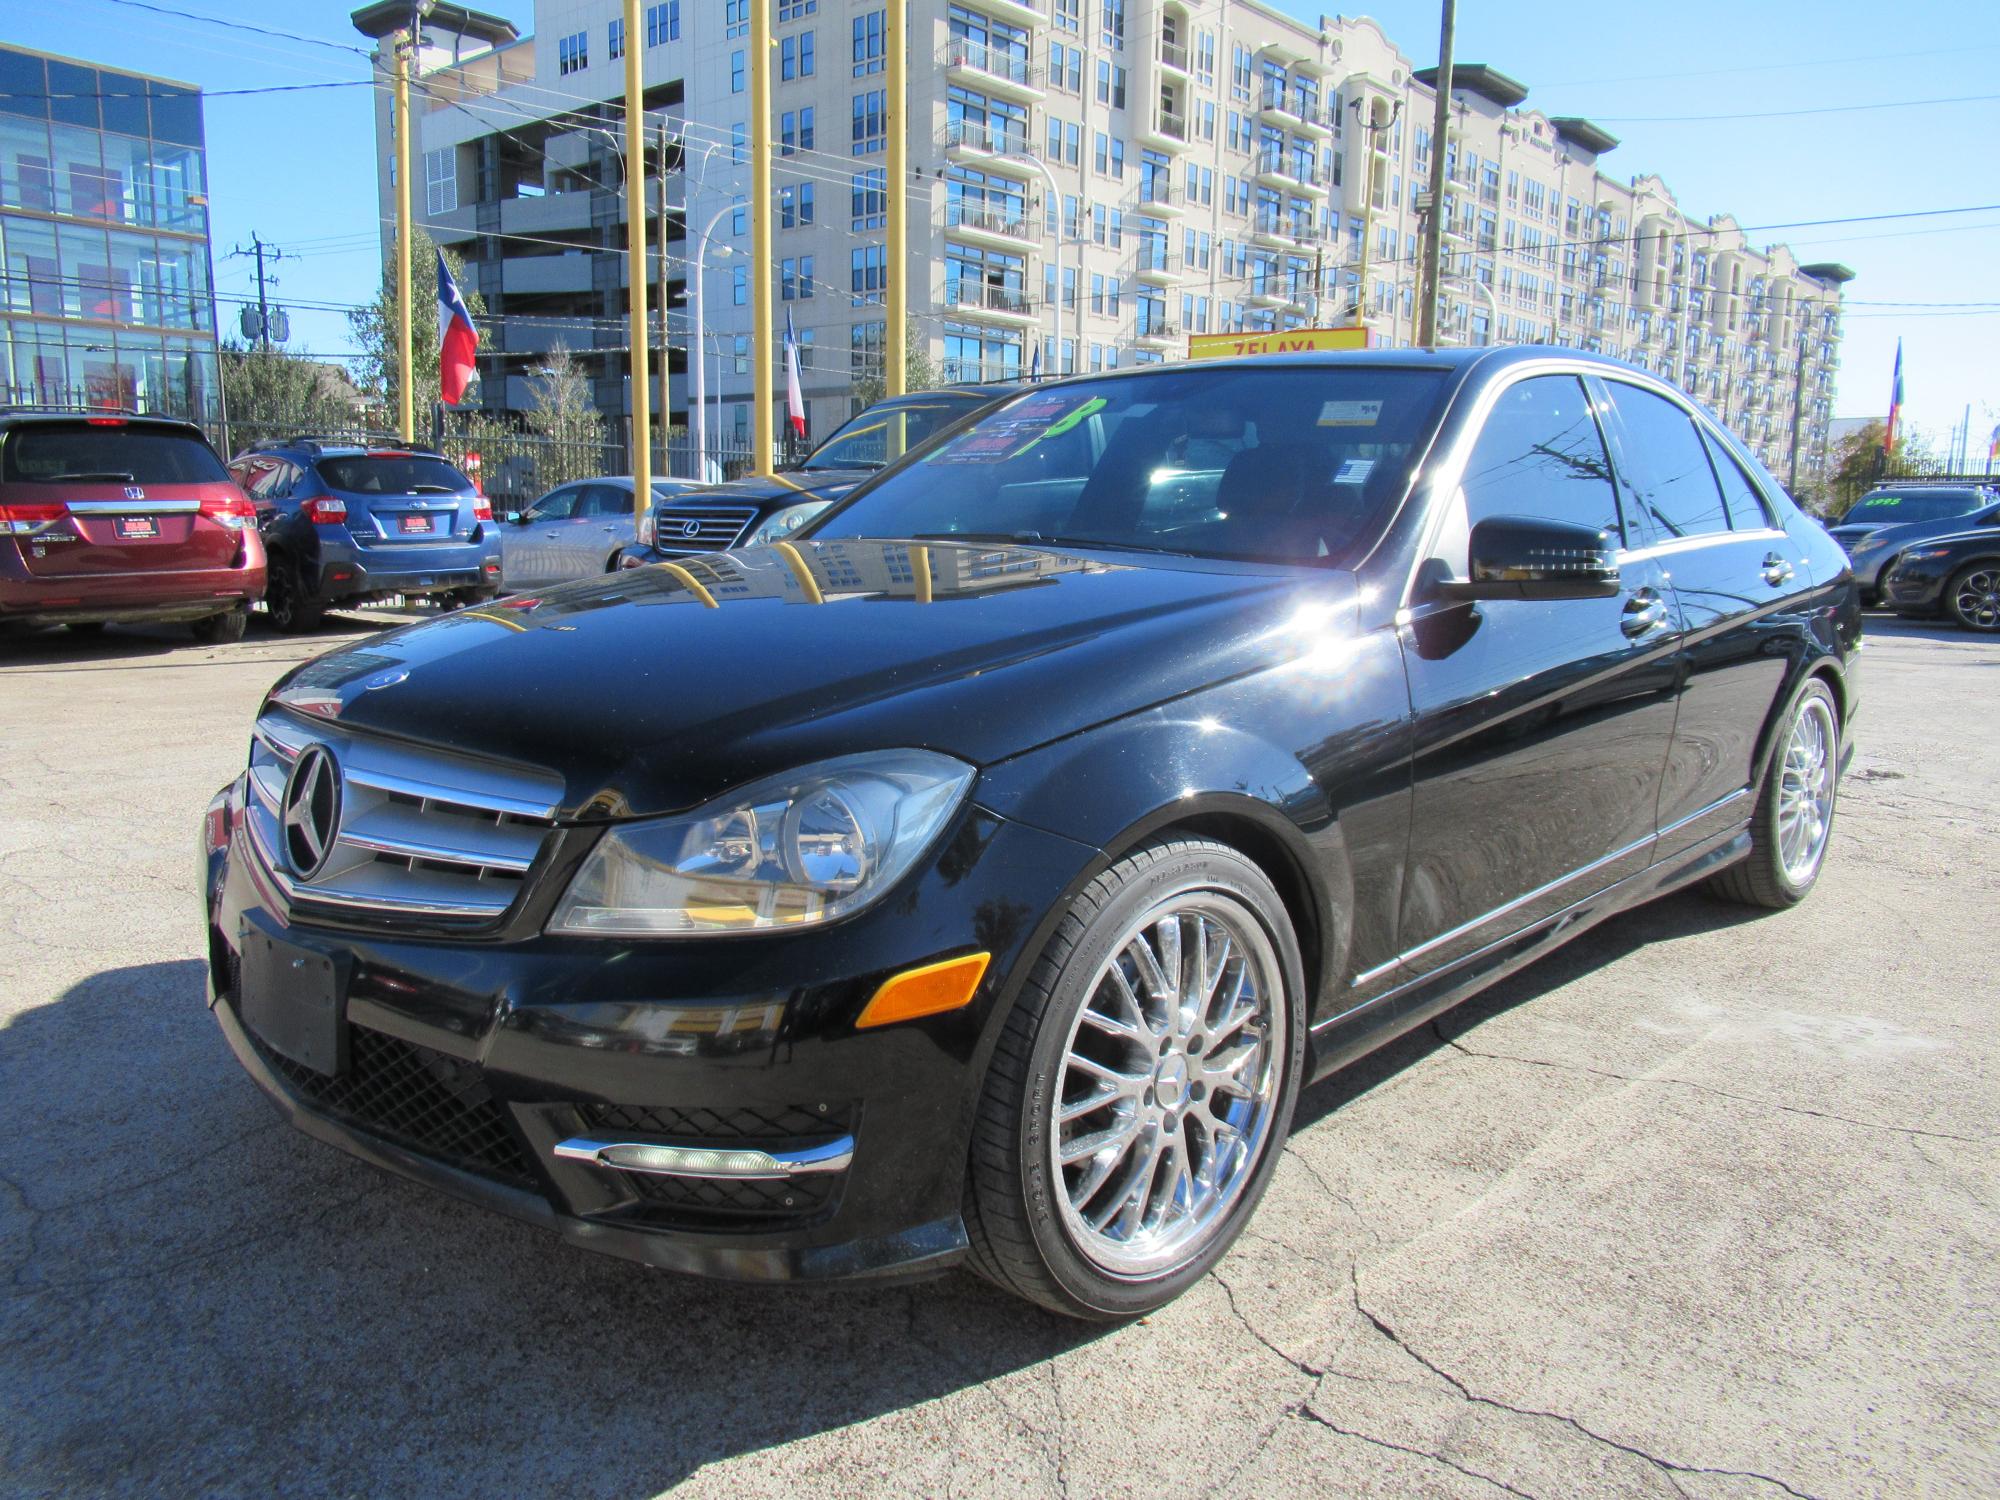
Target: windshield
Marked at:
871, 438
393, 474
1297, 463
1897, 506
46, 453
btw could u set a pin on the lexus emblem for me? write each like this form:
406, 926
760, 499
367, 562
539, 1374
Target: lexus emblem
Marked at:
311, 811
690, 528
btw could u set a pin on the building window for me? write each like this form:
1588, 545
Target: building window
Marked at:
871, 48
1069, 16
1065, 68
1112, 13
871, 131
1110, 156
739, 148
739, 285
739, 215
736, 71
614, 40
1110, 84
573, 53
795, 131
735, 17
663, 23
441, 180
795, 279
796, 10
795, 56
795, 205
864, 349
1239, 71
869, 199
868, 267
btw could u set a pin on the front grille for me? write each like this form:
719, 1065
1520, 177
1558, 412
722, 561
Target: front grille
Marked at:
421, 833
716, 528
425, 1100
779, 1123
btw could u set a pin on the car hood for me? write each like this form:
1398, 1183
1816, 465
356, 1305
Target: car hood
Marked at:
655, 689
798, 484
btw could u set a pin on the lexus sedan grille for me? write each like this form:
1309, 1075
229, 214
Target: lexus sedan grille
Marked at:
714, 528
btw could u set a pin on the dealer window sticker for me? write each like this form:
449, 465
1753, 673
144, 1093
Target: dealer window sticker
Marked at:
1350, 413
1014, 431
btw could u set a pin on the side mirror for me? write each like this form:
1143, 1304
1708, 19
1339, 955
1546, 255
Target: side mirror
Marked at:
515, 518
1516, 557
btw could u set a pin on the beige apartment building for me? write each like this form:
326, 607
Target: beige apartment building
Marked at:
1092, 182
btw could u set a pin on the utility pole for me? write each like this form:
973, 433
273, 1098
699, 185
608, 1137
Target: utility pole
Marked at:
1369, 130
760, 233
635, 266
1427, 308
1798, 409
406, 62
895, 335
262, 251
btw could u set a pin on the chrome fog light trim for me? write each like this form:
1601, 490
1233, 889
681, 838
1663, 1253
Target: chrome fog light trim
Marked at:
708, 1161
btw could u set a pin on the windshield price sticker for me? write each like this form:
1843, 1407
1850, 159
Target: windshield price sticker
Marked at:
1350, 413
1017, 429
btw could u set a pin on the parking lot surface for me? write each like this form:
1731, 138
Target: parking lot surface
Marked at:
1705, 1206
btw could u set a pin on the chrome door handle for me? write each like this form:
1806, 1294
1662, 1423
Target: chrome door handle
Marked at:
1645, 612
1776, 570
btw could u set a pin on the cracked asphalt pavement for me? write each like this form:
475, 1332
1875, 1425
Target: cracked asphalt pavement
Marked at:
1703, 1206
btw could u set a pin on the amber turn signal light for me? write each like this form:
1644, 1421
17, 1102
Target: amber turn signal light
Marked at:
928, 990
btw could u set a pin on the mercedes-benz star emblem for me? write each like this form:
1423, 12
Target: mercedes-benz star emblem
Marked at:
690, 528
312, 811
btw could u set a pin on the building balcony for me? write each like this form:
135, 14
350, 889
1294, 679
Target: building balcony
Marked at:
1159, 196
1277, 231
979, 371
1164, 128
991, 69
543, 274
1172, 55
1001, 304
1291, 51
1159, 332
989, 224
1274, 169
1030, 16
989, 146
1158, 264
1315, 123
1270, 295
1274, 107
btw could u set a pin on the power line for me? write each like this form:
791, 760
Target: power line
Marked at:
1778, 67
1787, 114
290, 36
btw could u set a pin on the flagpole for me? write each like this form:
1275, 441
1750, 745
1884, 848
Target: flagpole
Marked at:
635, 270
760, 234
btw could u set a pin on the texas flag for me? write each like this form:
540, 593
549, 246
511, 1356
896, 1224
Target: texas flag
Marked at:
795, 401
1895, 402
458, 340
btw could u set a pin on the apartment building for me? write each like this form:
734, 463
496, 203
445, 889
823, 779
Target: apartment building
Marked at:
107, 297
1093, 181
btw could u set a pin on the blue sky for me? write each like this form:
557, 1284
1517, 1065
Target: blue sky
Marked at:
298, 168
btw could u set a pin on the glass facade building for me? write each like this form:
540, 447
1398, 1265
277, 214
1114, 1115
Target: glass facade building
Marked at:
107, 295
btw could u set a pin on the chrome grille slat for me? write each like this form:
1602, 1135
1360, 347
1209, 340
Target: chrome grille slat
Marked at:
421, 833
716, 528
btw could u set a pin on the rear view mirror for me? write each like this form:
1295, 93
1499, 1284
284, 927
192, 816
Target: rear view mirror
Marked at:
1517, 557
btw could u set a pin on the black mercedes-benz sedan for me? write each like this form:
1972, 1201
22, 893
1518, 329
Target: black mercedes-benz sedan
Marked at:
1957, 576
977, 876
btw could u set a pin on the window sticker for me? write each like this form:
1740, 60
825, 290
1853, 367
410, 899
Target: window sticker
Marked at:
1014, 431
1350, 413
1354, 471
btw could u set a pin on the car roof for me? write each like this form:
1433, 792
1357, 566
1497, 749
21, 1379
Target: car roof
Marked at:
12, 416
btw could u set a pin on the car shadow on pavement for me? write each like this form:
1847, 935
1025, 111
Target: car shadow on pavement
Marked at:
202, 1300
1883, 626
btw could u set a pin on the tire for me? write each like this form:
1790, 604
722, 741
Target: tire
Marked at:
1972, 598
1788, 838
1025, 1215
291, 611
222, 629
85, 627
467, 598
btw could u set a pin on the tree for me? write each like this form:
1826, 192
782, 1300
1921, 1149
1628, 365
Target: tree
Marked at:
374, 328
1858, 461
272, 392
919, 374
559, 439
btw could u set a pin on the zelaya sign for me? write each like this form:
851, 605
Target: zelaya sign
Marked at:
1291, 341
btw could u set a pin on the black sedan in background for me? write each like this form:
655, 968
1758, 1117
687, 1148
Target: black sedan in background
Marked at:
1957, 576
977, 876
1885, 523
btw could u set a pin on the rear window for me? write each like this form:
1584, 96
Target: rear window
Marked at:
1915, 505
392, 474
866, 442
49, 453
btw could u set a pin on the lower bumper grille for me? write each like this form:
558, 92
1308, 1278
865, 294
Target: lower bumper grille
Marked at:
714, 1204
778, 1123
425, 1100
690, 1202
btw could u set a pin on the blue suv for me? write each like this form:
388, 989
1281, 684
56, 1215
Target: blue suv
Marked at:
348, 522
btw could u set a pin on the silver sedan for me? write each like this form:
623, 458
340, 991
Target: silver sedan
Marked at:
574, 531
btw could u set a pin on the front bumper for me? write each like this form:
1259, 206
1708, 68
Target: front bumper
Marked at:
1915, 588
470, 1061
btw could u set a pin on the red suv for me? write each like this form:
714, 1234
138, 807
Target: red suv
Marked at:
114, 516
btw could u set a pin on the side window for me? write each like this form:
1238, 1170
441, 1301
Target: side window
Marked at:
557, 505
606, 500
1540, 455
1747, 510
1665, 464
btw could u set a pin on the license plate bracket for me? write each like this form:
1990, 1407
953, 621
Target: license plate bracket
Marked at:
295, 999
414, 525
134, 527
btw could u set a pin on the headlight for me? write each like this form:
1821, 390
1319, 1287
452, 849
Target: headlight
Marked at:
780, 524
787, 852
1927, 554
1867, 544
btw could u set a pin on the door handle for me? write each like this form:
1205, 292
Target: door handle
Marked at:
1644, 612
1776, 570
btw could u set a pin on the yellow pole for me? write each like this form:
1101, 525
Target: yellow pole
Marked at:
406, 424
895, 373
760, 234
635, 266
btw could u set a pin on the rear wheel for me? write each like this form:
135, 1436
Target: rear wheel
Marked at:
1138, 1096
85, 627
468, 598
290, 609
220, 630
1793, 821
1973, 597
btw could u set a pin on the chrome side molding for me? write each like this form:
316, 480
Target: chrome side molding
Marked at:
720, 1162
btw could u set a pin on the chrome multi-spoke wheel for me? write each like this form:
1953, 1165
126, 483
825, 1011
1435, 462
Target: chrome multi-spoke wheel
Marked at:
1974, 597
1168, 1084
1136, 1097
1805, 790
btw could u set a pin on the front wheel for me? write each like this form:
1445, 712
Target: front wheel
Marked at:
1793, 820
291, 610
1141, 1089
222, 629
1972, 598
